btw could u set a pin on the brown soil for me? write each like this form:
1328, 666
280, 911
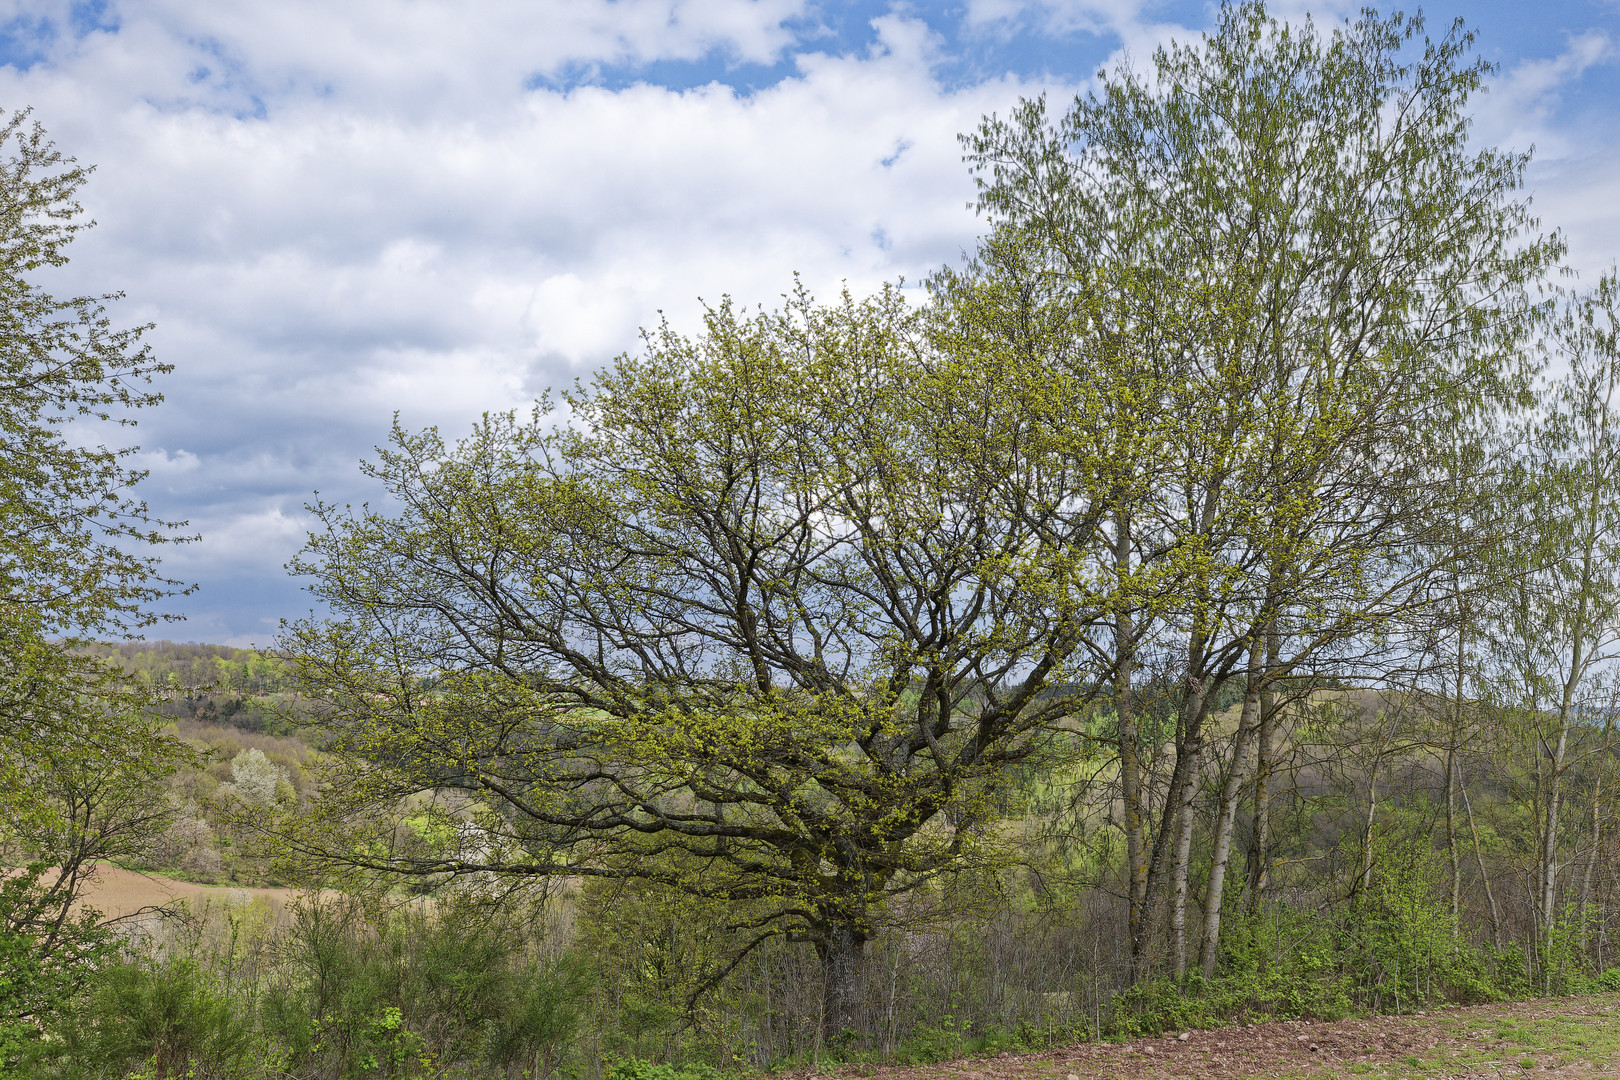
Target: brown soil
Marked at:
1447, 1044
116, 893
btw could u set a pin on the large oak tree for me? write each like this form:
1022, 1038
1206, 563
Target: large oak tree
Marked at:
771, 616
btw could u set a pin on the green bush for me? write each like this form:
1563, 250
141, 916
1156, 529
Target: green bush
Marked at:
166, 1014
46, 955
632, 1068
538, 1019
650, 951
930, 1043
1398, 940
374, 995
1152, 1008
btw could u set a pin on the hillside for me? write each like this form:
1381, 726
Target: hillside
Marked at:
239, 706
244, 688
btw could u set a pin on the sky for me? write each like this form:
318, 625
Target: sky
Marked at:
336, 212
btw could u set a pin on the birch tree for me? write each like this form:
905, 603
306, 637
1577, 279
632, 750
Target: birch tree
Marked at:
1563, 625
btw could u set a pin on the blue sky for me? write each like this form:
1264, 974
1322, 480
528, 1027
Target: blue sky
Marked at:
333, 212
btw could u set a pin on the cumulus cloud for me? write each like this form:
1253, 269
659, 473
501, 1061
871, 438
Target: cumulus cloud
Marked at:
403, 59
334, 212
337, 212
1520, 105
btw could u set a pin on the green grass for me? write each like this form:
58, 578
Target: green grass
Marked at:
1506, 1044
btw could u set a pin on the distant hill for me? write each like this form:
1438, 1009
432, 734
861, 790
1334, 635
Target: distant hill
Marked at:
244, 688
232, 704
187, 664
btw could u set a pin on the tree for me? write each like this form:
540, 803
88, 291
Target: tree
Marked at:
65, 556
76, 547
1562, 628
255, 778
1362, 278
77, 753
772, 620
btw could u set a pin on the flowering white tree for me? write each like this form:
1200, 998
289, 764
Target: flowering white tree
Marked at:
255, 778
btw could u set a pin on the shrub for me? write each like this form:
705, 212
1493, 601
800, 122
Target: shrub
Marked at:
168, 1014
538, 1019
370, 994
46, 954
633, 1068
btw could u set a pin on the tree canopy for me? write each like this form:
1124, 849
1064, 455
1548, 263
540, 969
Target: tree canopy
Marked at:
77, 753
774, 613
771, 620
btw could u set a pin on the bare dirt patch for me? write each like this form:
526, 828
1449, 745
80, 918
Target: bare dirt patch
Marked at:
1562, 1037
121, 893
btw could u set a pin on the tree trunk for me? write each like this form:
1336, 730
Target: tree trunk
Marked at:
1367, 836
1597, 832
1591, 859
1578, 663
1188, 759
1549, 836
1130, 768
1264, 764
1484, 875
842, 949
1231, 795
1452, 854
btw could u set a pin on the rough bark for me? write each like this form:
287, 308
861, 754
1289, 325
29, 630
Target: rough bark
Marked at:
842, 950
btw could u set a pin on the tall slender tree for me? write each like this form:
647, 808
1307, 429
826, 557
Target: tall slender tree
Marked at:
1562, 628
77, 559
1357, 271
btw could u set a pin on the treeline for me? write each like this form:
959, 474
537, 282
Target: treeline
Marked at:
244, 688
188, 665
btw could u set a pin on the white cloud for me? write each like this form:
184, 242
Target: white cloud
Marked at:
406, 59
317, 244
1518, 109
163, 464
336, 211
246, 539
332, 215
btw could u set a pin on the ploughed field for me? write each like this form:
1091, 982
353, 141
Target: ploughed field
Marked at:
116, 892
1549, 1037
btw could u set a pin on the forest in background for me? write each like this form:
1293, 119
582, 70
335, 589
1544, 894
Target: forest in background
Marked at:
239, 709
1200, 606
